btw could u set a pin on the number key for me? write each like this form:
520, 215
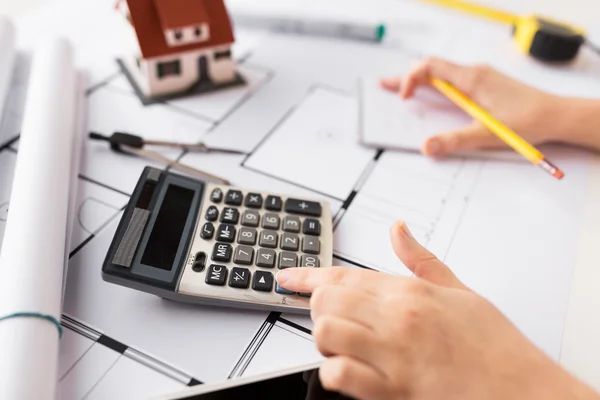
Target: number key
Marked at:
291, 224
243, 255
309, 261
288, 260
247, 236
250, 218
265, 258
290, 242
270, 221
268, 239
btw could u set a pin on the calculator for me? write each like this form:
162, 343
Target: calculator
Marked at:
200, 242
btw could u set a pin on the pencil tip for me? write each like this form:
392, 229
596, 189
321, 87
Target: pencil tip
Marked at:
558, 174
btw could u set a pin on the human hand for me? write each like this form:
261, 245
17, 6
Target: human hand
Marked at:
526, 110
419, 338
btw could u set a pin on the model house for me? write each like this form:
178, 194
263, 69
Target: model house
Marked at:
182, 47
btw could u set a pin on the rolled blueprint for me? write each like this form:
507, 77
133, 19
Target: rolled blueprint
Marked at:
7, 59
32, 258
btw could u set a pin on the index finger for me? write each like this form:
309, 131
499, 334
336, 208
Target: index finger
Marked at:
306, 280
430, 68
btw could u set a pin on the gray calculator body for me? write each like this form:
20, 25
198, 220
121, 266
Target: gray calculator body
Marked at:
199, 242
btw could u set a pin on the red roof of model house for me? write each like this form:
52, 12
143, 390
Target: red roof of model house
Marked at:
151, 18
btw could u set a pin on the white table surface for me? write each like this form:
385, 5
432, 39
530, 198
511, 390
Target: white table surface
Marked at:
581, 343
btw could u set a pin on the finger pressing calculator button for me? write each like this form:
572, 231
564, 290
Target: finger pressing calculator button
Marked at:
208, 230
291, 224
289, 241
268, 239
226, 233
239, 278
250, 218
270, 221
253, 200
234, 198
288, 260
273, 203
265, 258
230, 215
212, 213
222, 252
311, 245
243, 255
216, 196
281, 290
295, 206
311, 227
309, 261
247, 236
216, 275
262, 281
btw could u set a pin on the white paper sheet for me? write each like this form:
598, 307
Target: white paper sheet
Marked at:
8, 56
37, 223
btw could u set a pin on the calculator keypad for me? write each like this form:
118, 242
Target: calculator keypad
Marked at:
247, 237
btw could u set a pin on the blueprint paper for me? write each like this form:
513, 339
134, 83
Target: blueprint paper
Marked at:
124, 344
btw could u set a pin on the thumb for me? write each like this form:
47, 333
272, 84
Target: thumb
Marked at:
475, 136
419, 260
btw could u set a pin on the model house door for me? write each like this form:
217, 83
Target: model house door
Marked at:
203, 69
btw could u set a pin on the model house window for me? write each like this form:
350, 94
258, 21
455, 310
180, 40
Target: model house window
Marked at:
222, 54
169, 68
198, 31
178, 35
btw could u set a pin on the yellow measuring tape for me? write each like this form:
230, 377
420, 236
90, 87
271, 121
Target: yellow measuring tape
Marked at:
542, 38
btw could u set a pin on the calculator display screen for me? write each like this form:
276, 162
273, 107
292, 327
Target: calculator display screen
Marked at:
164, 240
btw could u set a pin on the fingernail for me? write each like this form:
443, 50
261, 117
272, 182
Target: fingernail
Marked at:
282, 276
434, 146
406, 230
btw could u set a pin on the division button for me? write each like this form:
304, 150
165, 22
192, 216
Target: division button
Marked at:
222, 252
216, 275
270, 221
208, 230
247, 236
216, 196
311, 227
250, 218
243, 255
289, 241
303, 207
262, 281
268, 239
226, 233
234, 198
288, 260
273, 203
311, 245
253, 200
265, 258
212, 213
291, 224
239, 278
230, 215
309, 261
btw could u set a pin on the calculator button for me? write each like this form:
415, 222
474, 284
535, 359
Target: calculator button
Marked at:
230, 215
262, 281
247, 236
216, 275
311, 245
239, 278
243, 255
226, 233
212, 213
270, 221
289, 241
268, 239
273, 203
234, 198
222, 252
309, 261
216, 196
265, 258
253, 200
288, 260
295, 206
199, 262
250, 218
208, 230
291, 224
311, 227
281, 290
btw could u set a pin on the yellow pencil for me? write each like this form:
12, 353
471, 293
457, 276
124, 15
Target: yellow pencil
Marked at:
510, 137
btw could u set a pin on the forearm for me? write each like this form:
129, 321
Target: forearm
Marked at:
576, 121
